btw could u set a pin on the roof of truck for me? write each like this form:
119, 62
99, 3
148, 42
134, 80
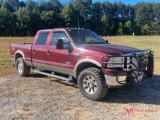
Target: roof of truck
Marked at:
62, 29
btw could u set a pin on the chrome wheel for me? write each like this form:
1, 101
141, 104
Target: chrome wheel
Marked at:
20, 67
89, 84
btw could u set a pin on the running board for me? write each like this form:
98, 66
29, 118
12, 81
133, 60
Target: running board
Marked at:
52, 75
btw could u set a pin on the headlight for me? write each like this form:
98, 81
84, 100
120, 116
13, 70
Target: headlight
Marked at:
116, 62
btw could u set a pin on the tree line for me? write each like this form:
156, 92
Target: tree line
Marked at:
18, 18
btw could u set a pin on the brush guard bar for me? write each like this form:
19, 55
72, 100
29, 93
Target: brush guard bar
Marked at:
138, 65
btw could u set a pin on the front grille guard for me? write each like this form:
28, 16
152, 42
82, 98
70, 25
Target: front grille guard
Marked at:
142, 62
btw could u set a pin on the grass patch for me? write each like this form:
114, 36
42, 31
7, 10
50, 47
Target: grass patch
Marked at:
6, 66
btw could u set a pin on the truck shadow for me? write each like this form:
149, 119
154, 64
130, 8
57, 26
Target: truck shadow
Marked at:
147, 92
37, 76
65, 83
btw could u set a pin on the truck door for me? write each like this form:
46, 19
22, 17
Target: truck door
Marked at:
59, 59
39, 50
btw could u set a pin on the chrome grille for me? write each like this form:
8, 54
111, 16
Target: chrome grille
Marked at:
128, 63
142, 62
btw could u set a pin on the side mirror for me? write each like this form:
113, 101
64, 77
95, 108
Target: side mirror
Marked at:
59, 44
70, 47
107, 42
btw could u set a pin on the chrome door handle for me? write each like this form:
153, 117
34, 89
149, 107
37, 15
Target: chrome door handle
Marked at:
47, 52
34, 51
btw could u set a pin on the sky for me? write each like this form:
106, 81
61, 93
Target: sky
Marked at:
132, 2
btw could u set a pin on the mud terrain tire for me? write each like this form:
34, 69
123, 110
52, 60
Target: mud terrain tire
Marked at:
92, 83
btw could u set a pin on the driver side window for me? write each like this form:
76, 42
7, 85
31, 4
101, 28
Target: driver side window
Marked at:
58, 35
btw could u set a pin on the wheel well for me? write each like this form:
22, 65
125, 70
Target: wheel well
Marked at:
18, 55
83, 66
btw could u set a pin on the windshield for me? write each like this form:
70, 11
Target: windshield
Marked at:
85, 37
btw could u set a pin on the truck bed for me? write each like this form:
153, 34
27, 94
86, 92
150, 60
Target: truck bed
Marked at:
25, 49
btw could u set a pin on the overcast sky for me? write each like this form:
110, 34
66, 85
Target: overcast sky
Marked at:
133, 2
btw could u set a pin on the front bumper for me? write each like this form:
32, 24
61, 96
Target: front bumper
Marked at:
120, 81
111, 81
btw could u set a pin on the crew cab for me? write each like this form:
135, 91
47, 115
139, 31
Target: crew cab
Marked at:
80, 55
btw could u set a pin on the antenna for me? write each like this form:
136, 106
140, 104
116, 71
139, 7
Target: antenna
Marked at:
14, 31
78, 21
78, 28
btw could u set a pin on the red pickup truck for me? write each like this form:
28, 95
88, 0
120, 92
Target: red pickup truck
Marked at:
81, 55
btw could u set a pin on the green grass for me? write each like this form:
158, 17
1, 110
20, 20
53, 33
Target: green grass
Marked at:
6, 66
141, 42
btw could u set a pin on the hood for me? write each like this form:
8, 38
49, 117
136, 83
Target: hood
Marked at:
110, 49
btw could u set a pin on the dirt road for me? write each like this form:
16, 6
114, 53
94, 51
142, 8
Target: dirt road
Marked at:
41, 98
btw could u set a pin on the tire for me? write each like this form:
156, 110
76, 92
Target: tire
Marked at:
92, 83
22, 69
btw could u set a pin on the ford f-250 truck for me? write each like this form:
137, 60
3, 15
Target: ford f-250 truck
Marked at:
80, 54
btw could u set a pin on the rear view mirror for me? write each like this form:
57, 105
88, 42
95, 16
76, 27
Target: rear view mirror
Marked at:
107, 42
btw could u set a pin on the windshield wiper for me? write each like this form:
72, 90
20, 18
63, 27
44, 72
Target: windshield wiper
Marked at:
95, 43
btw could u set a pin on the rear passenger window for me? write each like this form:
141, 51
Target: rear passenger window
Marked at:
42, 38
58, 35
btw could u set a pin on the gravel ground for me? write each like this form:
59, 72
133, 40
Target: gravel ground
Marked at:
41, 98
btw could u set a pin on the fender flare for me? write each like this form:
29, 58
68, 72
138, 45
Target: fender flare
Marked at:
20, 52
83, 61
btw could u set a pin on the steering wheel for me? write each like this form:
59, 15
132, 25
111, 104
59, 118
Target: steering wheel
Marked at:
91, 41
